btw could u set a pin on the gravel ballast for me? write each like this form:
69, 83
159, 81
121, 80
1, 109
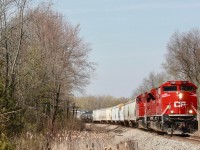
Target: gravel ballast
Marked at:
104, 136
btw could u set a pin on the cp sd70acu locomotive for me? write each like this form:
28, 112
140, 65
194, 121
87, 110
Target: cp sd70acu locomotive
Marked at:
170, 107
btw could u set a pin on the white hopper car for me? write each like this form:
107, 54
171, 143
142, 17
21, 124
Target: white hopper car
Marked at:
122, 114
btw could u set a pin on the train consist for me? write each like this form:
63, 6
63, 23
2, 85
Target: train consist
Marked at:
171, 108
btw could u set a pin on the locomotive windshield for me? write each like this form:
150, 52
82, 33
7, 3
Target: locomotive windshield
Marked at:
169, 88
187, 88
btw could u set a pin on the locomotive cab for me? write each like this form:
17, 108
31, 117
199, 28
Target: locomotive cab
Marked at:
179, 106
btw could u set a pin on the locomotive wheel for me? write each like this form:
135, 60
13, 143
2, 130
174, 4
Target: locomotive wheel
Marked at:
135, 125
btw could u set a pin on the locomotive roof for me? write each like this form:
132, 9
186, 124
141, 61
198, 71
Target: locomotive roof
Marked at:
178, 82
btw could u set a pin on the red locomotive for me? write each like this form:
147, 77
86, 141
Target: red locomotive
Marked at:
172, 108
169, 108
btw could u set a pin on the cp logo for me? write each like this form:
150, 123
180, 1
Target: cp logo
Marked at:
179, 104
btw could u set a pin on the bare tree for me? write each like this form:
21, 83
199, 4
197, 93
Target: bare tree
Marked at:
11, 46
60, 58
97, 102
152, 81
183, 56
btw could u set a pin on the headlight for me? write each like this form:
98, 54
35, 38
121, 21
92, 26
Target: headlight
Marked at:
180, 95
190, 111
171, 111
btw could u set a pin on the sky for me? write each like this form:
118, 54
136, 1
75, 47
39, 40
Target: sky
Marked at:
128, 38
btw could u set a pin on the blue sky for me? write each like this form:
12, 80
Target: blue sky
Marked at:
128, 38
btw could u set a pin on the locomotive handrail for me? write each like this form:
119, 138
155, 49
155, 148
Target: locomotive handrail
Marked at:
168, 106
195, 109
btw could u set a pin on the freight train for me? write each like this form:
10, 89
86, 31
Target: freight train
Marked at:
171, 108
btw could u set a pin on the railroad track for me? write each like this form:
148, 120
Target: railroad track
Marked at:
184, 138
193, 138
180, 137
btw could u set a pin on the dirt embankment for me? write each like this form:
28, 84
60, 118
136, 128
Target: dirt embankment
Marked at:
113, 137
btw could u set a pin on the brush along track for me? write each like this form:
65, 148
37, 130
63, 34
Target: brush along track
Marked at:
106, 135
183, 140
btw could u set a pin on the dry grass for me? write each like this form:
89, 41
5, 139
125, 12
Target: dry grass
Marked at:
76, 140
30, 141
93, 138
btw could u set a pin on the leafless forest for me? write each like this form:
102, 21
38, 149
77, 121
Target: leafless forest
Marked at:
43, 61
